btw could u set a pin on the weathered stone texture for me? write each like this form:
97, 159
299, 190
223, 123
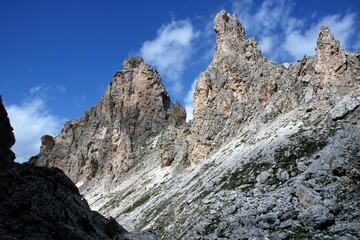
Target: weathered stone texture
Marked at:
272, 151
107, 138
240, 87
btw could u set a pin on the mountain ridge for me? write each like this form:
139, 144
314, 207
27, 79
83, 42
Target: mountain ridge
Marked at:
272, 150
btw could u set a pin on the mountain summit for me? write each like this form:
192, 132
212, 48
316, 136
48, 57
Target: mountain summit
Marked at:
272, 151
110, 137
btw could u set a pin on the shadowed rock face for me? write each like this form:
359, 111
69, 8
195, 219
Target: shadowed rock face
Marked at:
43, 203
7, 140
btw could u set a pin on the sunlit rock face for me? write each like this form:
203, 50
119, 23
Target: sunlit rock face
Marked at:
272, 151
241, 87
109, 138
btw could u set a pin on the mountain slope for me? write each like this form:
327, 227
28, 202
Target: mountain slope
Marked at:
272, 151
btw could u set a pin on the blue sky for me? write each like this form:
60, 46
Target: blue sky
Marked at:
57, 57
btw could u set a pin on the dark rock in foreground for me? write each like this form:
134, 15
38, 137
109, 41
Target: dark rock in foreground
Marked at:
7, 139
43, 203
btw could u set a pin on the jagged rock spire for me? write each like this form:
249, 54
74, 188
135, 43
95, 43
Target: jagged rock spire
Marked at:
110, 136
132, 62
231, 40
330, 58
226, 24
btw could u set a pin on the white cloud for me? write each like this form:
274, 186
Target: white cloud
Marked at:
282, 36
31, 121
266, 44
188, 100
357, 43
267, 22
170, 51
298, 44
35, 89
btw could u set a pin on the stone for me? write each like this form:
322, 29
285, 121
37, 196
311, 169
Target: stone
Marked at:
308, 95
307, 196
345, 106
306, 78
264, 176
47, 144
317, 216
268, 220
282, 175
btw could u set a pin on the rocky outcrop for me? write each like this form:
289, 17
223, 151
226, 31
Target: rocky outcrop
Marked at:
272, 151
110, 138
240, 87
7, 140
330, 60
42, 203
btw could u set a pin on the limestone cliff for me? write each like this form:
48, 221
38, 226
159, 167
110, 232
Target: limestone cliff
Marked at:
272, 151
240, 86
110, 138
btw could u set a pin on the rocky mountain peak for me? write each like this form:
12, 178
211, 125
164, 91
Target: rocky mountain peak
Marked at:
231, 40
108, 139
330, 58
227, 25
132, 62
272, 150
240, 87
326, 41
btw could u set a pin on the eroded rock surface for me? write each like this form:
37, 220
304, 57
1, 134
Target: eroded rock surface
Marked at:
111, 137
241, 87
272, 152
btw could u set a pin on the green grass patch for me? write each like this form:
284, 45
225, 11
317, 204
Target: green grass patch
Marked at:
138, 203
245, 176
300, 233
112, 203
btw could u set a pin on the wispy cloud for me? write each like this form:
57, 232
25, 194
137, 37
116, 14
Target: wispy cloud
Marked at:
284, 37
61, 89
170, 50
31, 120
